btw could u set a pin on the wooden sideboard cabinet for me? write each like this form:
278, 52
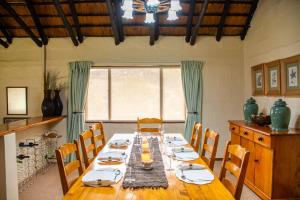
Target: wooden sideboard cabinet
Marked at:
274, 166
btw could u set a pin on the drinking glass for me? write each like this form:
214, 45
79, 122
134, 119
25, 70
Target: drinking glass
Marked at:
170, 156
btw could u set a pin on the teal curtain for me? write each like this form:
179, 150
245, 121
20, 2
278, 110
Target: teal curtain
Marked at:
191, 75
79, 73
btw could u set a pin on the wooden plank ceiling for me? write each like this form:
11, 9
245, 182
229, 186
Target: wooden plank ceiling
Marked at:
77, 19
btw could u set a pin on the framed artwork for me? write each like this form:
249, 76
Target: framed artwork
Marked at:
272, 78
290, 76
16, 98
258, 80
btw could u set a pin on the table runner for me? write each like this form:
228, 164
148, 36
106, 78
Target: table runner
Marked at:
137, 177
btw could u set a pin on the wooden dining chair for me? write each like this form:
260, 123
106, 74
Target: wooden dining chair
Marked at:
66, 169
196, 136
99, 136
239, 172
88, 147
143, 125
210, 145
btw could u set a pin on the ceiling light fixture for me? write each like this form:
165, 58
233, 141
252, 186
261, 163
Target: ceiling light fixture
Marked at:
149, 18
151, 8
172, 15
128, 14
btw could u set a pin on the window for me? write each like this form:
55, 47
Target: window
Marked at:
135, 92
173, 100
97, 100
124, 93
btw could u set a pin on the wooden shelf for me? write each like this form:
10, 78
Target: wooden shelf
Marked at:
25, 124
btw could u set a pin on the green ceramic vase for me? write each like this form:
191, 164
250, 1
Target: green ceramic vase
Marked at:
250, 108
280, 116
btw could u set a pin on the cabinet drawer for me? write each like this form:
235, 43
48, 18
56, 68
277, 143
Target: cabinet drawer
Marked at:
246, 133
262, 139
234, 129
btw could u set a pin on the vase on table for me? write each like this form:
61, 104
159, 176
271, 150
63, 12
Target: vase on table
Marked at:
280, 116
58, 106
250, 108
47, 104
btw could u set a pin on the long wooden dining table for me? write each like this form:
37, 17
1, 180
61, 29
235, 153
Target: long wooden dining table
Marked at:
177, 189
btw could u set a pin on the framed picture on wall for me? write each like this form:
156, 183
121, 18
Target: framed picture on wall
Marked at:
290, 76
272, 78
258, 80
16, 98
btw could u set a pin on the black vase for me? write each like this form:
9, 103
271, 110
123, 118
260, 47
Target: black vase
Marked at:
48, 108
57, 103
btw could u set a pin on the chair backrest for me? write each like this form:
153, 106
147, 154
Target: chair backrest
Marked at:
196, 136
66, 169
98, 139
87, 146
210, 148
238, 171
149, 121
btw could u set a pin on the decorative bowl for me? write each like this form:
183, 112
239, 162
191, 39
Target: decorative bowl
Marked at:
261, 119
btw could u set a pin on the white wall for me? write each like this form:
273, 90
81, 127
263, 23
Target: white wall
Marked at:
274, 34
21, 64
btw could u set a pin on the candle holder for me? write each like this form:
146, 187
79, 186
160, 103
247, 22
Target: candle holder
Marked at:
146, 155
147, 161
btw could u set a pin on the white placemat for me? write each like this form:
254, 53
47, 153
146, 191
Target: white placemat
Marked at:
119, 142
103, 177
186, 156
195, 176
176, 143
113, 155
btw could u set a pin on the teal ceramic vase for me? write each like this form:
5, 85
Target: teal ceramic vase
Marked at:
250, 108
280, 116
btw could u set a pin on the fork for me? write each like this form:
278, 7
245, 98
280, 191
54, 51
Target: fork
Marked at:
117, 173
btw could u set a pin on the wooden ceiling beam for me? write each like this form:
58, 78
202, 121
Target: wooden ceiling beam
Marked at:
248, 21
152, 33
47, 3
119, 20
217, 2
243, 2
113, 22
222, 20
199, 22
75, 19
37, 22
5, 33
189, 25
66, 23
13, 13
4, 43
154, 30
132, 25
179, 13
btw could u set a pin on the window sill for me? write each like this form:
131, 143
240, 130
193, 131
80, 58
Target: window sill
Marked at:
130, 121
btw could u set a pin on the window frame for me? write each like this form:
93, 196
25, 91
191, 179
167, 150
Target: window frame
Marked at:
109, 68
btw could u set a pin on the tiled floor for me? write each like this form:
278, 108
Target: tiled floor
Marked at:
47, 187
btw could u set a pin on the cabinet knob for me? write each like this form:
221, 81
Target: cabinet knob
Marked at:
245, 133
233, 128
255, 160
260, 139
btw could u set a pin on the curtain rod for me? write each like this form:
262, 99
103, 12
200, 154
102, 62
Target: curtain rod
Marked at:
138, 64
